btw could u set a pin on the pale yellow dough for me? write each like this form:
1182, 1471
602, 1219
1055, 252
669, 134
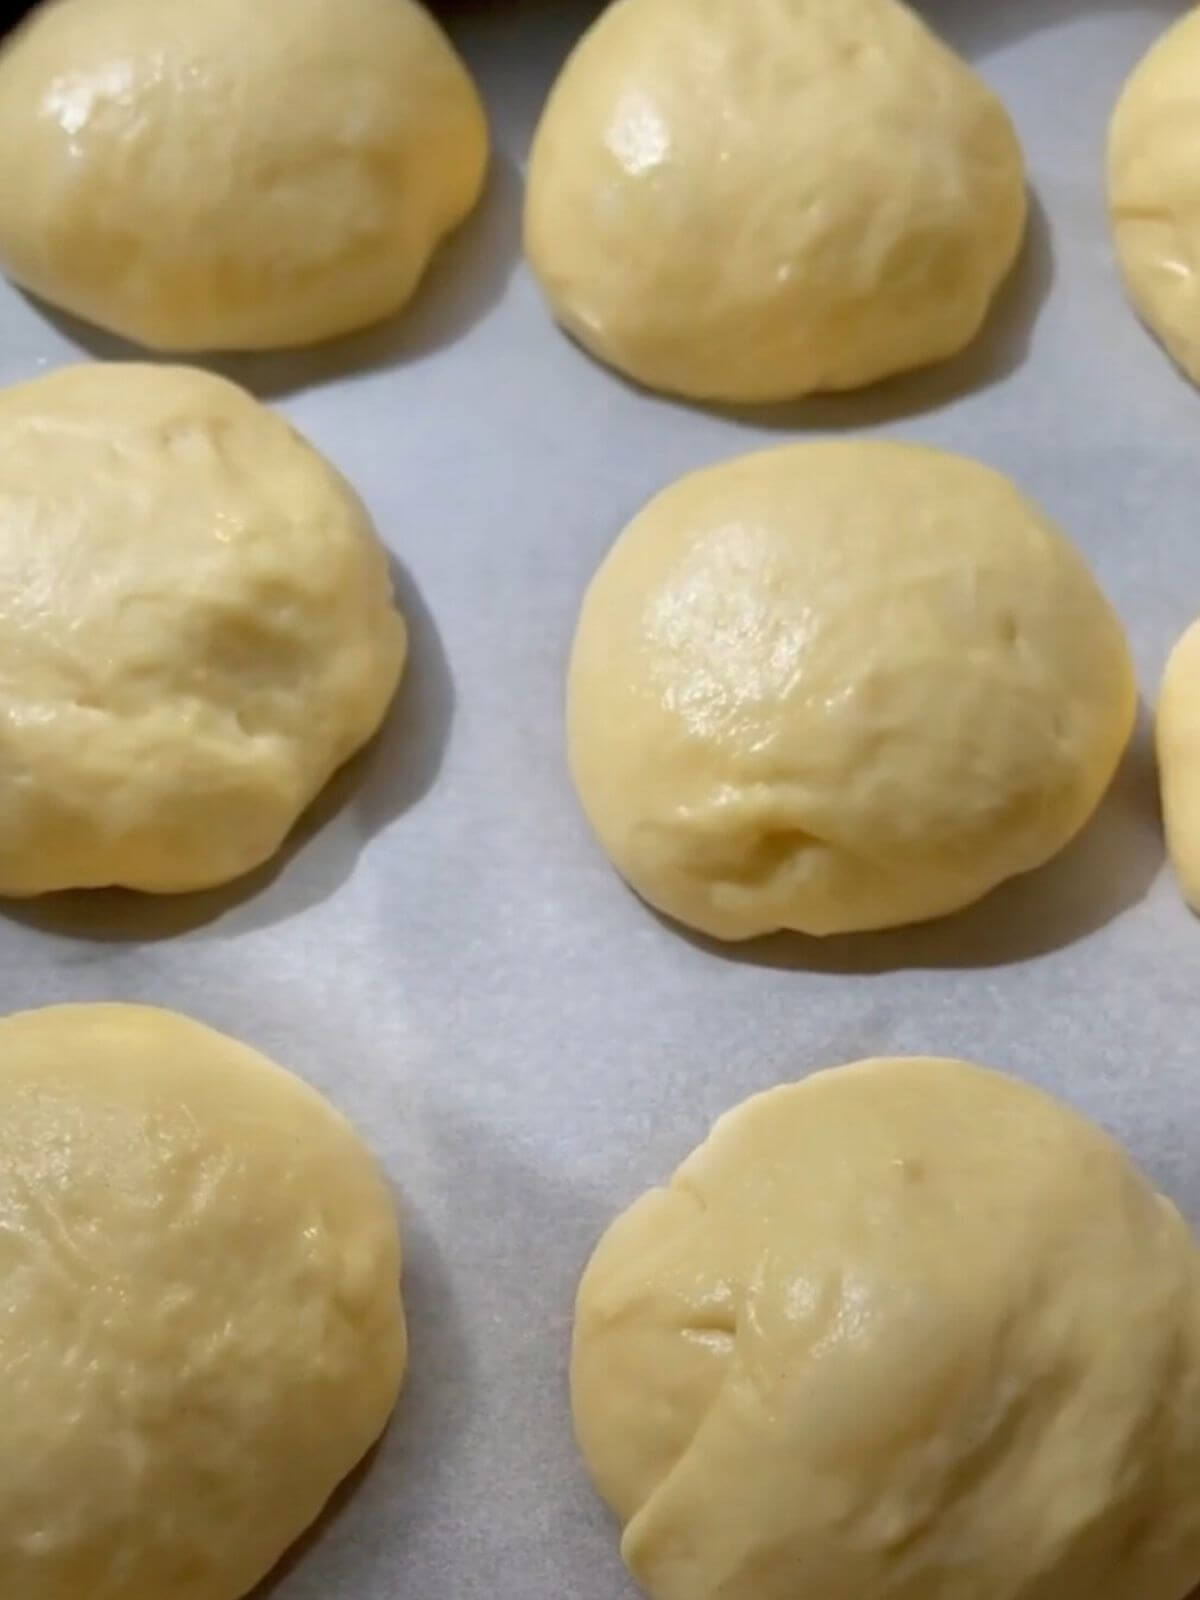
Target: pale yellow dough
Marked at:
196, 629
199, 174
200, 1320
841, 685
909, 1330
1178, 739
1154, 189
747, 200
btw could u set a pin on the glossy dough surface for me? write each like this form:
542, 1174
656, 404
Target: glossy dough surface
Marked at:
909, 1330
746, 200
841, 685
199, 174
1177, 734
196, 629
199, 1303
1154, 189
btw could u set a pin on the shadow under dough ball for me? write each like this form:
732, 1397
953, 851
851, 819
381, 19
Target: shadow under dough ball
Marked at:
202, 1330
751, 200
908, 1330
217, 174
196, 629
841, 685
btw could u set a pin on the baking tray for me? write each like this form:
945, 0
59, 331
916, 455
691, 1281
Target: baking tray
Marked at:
445, 953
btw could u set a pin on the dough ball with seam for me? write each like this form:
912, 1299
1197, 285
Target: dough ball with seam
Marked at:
749, 200
1154, 191
201, 1328
841, 685
217, 174
196, 629
908, 1330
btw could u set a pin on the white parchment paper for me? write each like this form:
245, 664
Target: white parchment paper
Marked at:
448, 956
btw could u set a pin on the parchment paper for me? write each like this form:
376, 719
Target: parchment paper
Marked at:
449, 957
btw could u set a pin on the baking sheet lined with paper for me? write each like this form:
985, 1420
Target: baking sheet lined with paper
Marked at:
444, 951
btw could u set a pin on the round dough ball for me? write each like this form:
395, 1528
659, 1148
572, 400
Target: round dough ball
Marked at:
1154, 190
1178, 739
747, 200
839, 686
909, 1330
199, 1296
196, 629
233, 174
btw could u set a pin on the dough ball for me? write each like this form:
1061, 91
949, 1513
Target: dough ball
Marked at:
199, 1297
1154, 190
747, 200
839, 686
196, 629
1178, 740
236, 174
909, 1330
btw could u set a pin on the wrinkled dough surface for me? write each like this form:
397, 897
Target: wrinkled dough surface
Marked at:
841, 685
1177, 736
1154, 189
748, 200
196, 629
909, 1330
222, 175
199, 1298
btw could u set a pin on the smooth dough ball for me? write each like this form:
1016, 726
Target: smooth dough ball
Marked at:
232, 174
748, 200
909, 1330
1154, 190
839, 686
196, 629
1178, 739
200, 1321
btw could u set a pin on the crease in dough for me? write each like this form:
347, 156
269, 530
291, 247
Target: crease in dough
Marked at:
965, 1349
